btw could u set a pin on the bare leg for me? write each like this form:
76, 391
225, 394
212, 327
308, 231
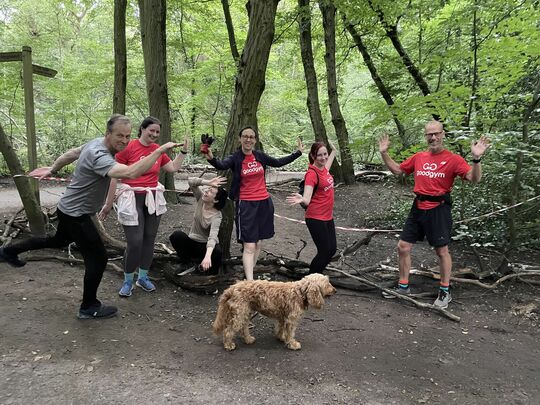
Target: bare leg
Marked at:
257, 252
404, 253
249, 258
445, 264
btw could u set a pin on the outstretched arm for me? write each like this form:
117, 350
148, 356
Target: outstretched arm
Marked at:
384, 144
174, 165
121, 171
297, 198
63, 160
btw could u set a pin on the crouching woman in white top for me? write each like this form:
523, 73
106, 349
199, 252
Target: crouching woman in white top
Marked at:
201, 244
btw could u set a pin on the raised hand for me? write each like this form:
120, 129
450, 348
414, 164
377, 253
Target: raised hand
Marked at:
479, 147
299, 145
384, 143
41, 172
185, 145
217, 181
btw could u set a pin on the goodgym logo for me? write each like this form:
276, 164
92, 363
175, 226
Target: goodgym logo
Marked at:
253, 167
429, 171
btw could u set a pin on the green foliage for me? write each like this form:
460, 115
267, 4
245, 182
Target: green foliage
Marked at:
442, 39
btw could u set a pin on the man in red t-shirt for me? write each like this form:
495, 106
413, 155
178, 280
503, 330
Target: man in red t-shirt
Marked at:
434, 172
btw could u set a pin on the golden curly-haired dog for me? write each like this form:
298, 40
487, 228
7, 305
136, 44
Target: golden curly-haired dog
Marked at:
283, 301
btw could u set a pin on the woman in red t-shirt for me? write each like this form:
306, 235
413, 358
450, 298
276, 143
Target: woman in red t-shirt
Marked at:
140, 213
319, 199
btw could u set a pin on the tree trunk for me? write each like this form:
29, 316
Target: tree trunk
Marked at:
392, 33
153, 35
473, 102
26, 191
120, 58
230, 30
314, 108
249, 86
385, 93
329, 23
515, 187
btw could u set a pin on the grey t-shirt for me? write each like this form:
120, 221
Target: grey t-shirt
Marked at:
88, 188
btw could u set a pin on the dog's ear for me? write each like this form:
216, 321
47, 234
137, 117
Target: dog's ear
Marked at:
314, 296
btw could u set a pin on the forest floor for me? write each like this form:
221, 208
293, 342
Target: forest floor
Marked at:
359, 349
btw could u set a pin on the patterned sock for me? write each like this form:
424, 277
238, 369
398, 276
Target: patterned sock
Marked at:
143, 273
444, 287
129, 277
403, 284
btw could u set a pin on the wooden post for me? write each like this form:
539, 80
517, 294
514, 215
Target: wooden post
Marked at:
28, 188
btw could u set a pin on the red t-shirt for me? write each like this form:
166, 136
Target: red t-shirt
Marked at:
136, 151
434, 174
321, 206
252, 182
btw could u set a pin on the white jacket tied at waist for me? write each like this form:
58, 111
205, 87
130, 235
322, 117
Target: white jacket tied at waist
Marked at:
126, 206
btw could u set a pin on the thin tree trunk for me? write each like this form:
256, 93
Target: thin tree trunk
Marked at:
26, 191
249, 86
515, 194
120, 58
392, 33
329, 23
230, 30
153, 34
474, 85
313, 105
385, 93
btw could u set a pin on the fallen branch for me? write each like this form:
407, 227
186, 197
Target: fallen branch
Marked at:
304, 244
356, 245
467, 280
68, 260
400, 296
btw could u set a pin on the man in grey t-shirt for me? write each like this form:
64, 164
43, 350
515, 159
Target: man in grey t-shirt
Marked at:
84, 196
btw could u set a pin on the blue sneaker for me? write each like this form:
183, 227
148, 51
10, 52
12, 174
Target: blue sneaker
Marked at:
126, 289
145, 284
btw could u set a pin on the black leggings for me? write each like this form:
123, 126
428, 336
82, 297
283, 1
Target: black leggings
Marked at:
83, 232
324, 237
189, 249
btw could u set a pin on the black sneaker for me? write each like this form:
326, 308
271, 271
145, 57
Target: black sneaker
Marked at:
98, 312
12, 260
401, 291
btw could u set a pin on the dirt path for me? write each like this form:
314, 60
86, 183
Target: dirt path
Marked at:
359, 349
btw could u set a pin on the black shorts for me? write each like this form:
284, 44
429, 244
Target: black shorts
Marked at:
254, 220
434, 224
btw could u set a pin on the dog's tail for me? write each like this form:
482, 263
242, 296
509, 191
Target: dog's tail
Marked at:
223, 312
